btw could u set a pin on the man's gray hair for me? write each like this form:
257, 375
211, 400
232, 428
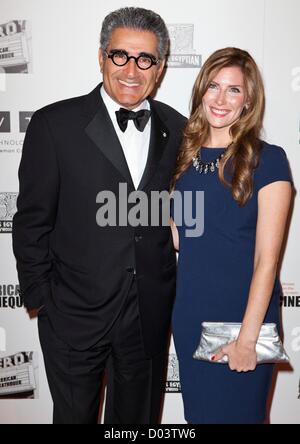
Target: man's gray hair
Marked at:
136, 18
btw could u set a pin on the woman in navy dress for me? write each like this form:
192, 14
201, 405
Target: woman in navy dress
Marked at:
229, 274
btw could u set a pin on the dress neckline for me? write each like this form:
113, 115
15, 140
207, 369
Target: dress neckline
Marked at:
211, 148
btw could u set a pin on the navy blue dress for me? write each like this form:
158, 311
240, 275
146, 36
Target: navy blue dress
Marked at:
214, 277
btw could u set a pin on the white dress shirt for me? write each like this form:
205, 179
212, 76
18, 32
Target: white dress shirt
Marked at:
135, 143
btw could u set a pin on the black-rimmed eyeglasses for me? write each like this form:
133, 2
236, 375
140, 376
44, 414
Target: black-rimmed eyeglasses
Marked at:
121, 58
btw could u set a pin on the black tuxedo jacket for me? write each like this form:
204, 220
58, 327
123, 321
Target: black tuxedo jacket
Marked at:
80, 271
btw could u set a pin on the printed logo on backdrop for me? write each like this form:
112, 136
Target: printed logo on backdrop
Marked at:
10, 296
8, 208
182, 52
24, 119
173, 381
15, 47
291, 296
17, 376
13, 123
4, 122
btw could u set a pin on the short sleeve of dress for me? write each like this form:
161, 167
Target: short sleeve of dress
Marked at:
273, 167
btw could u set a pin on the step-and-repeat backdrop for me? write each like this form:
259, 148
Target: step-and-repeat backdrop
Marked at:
48, 52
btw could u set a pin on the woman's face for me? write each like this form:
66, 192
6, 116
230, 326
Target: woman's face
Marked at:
225, 98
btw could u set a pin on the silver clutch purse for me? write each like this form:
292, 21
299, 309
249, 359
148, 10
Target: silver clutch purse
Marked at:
216, 335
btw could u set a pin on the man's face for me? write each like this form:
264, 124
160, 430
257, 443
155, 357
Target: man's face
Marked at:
129, 85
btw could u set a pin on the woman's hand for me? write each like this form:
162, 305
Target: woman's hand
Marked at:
241, 357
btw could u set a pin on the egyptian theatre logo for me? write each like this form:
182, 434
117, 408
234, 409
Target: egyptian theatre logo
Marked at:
8, 207
15, 47
18, 376
173, 380
182, 52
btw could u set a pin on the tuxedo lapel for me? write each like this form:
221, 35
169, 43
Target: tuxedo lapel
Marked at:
101, 131
158, 140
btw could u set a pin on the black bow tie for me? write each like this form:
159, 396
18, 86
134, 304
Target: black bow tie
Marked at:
140, 118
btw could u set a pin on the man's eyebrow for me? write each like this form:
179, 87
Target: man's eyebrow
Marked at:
148, 54
143, 53
118, 50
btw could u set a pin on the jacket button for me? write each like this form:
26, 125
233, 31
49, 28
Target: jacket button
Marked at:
138, 238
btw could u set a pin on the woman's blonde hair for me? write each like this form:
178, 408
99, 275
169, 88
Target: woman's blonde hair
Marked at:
244, 152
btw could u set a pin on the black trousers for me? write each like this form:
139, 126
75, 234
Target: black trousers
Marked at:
135, 383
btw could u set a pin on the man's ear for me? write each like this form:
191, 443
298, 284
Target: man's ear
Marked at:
160, 69
101, 59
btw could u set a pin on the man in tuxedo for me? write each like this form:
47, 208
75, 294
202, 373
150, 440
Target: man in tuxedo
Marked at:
104, 293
